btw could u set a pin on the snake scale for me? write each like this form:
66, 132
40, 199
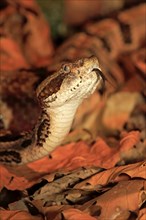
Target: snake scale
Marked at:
62, 93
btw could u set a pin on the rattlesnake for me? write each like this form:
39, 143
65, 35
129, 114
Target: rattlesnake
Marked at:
59, 96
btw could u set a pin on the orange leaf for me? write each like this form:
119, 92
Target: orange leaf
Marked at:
74, 214
13, 215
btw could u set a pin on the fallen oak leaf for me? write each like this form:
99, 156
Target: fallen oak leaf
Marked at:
69, 157
52, 211
49, 212
66, 181
142, 214
125, 196
74, 214
101, 207
114, 175
67, 190
132, 147
13, 215
67, 197
129, 140
57, 212
16, 180
135, 154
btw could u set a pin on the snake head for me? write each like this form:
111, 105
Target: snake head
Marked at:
73, 81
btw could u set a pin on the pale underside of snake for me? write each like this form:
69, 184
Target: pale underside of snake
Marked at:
59, 96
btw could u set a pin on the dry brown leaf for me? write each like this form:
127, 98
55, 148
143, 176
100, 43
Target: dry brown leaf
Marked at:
142, 214
13, 215
118, 109
133, 146
52, 211
125, 196
66, 189
68, 157
129, 140
65, 181
74, 214
114, 175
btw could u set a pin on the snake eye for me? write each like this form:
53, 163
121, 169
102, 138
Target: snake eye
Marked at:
66, 68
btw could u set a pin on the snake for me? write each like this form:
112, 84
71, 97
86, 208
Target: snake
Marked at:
59, 96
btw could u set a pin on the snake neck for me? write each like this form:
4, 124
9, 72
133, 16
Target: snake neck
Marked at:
54, 124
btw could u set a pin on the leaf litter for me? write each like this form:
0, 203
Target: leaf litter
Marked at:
99, 171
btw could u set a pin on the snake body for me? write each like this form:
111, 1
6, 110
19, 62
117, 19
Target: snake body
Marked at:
108, 39
59, 97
